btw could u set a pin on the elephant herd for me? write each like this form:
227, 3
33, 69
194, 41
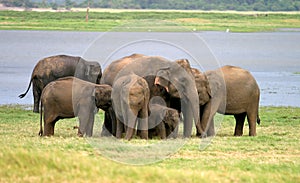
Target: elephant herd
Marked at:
146, 96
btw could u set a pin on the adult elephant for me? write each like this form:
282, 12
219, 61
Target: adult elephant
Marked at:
69, 97
164, 78
54, 67
228, 90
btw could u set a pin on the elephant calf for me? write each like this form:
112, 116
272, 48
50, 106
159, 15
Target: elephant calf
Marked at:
228, 90
69, 97
163, 122
130, 97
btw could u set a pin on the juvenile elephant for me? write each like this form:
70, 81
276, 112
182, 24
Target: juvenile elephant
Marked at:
69, 97
163, 121
54, 67
130, 96
165, 79
228, 90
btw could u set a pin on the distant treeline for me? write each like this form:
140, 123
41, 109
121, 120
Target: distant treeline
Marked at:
239, 5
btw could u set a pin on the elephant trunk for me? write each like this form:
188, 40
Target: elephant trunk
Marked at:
190, 112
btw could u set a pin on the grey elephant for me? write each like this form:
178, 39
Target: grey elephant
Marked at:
69, 97
228, 90
51, 68
165, 79
130, 96
163, 122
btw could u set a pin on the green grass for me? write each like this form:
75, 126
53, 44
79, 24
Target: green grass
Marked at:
272, 156
155, 21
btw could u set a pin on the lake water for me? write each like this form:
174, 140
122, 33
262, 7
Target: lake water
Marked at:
273, 58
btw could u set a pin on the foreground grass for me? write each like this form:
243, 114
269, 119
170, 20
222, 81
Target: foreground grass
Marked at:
155, 20
272, 156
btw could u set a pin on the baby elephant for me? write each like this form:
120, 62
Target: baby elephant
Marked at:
69, 97
163, 122
130, 97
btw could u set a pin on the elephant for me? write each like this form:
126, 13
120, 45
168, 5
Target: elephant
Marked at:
130, 96
165, 79
69, 97
229, 90
51, 68
163, 121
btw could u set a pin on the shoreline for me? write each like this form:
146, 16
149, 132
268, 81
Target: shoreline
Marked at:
4, 8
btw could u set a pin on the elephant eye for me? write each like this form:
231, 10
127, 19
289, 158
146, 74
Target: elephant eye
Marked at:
182, 80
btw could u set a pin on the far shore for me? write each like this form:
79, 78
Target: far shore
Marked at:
3, 8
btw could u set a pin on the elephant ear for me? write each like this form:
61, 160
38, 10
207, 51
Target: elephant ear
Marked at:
214, 83
184, 63
162, 78
207, 86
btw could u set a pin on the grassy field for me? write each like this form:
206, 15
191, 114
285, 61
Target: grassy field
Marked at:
272, 156
130, 20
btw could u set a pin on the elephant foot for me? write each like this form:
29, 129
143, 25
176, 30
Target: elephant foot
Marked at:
143, 134
79, 134
127, 138
238, 134
202, 135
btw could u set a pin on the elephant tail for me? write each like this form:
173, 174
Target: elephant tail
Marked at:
258, 119
23, 95
41, 120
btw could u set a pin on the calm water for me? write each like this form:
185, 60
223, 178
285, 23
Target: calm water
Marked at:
273, 58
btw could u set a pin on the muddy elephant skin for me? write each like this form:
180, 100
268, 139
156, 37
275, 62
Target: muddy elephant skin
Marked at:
69, 97
54, 67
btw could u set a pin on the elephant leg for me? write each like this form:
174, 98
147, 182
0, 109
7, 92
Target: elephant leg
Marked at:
252, 118
162, 131
172, 134
120, 128
211, 128
107, 125
90, 125
86, 116
113, 121
129, 132
49, 124
207, 122
49, 129
240, 120
36, 96
130, 119
143, 123
200, 132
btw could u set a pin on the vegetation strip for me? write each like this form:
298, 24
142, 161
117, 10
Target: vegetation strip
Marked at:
169, 21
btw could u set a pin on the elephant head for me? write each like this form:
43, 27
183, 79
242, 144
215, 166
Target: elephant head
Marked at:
203, 88
102, 94
88, 71
180, 83
171, 119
